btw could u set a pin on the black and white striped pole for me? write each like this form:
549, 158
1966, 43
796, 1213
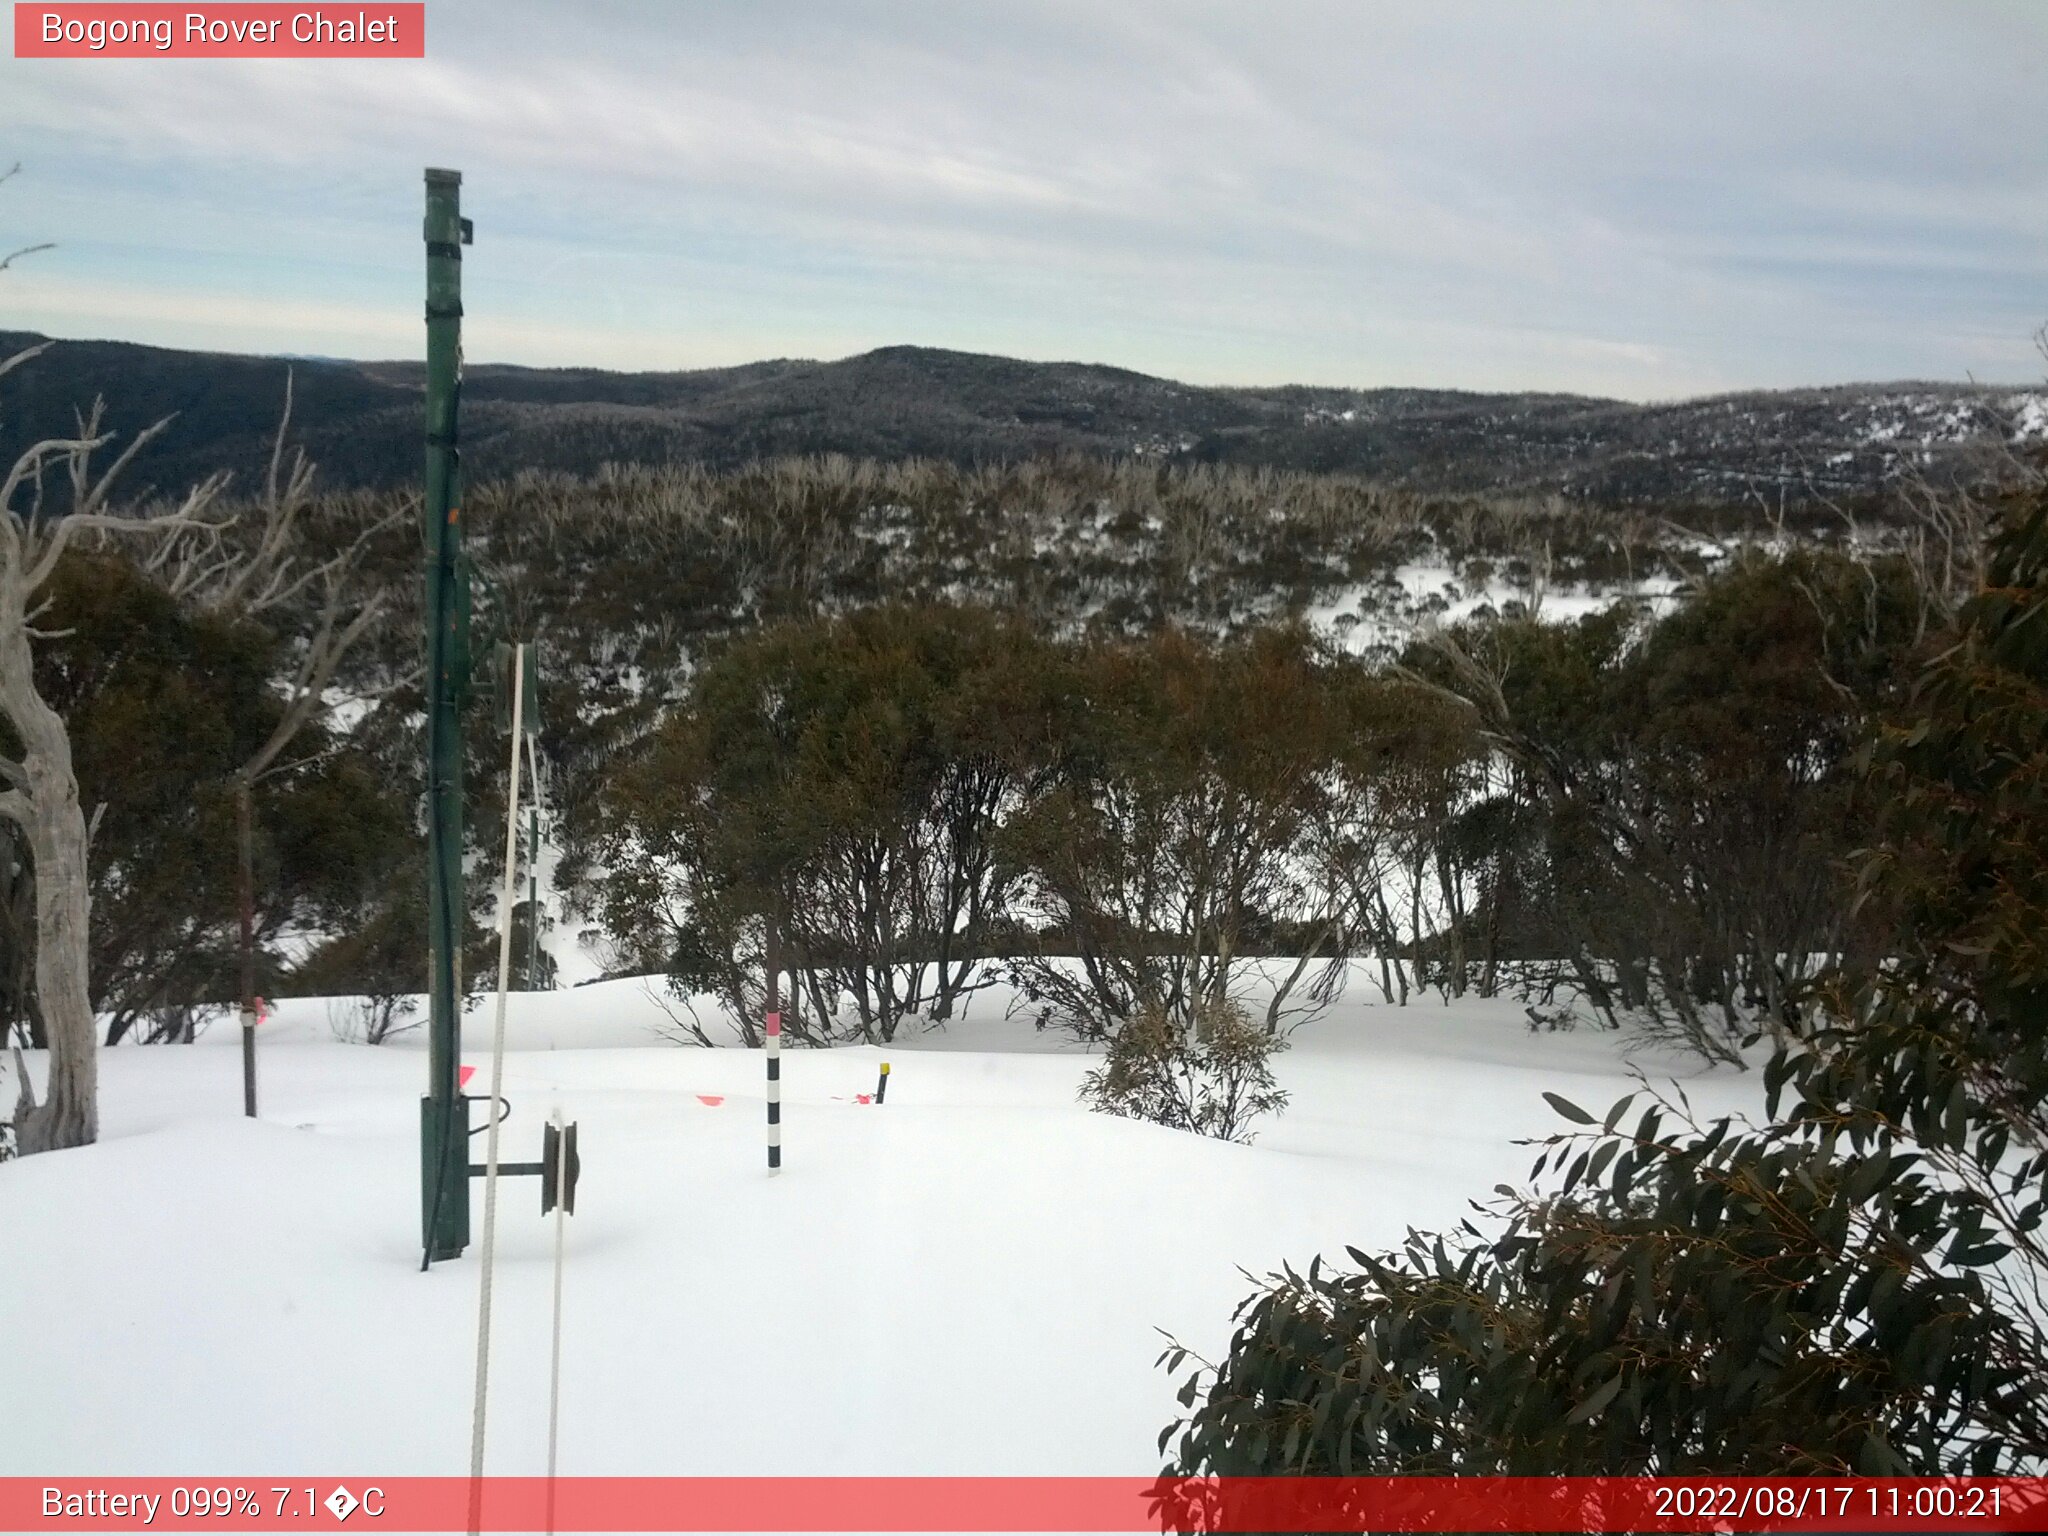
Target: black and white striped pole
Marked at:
775, 1092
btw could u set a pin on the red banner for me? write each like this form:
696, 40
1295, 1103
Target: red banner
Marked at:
1051, 1504
239, 31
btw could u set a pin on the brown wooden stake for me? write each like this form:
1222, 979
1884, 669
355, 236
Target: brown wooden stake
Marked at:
245, 881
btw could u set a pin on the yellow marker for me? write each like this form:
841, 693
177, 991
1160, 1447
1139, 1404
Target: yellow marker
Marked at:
882, 1084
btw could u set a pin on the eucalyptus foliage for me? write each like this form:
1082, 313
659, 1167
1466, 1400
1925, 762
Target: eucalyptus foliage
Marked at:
1855, 1284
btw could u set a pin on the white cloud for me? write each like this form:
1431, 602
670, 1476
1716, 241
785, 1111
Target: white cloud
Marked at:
1613, 197
209, 321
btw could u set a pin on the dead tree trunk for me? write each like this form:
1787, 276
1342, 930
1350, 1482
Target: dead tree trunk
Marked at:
245, 898
40, 793
46, 807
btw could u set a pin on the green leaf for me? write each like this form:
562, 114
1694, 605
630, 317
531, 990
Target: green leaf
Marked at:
1868, 1179
1982, 1254
1594, 1401
1567, 1108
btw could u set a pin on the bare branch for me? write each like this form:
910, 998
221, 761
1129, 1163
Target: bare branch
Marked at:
284, 423
67, 528
30, 465
7, 261
262, 577
316, 671
27, 250
26, 354
97, 496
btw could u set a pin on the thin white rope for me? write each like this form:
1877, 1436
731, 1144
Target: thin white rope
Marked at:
555, 1343
483, 1313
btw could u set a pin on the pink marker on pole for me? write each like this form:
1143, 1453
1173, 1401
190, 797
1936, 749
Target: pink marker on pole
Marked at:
775, 1092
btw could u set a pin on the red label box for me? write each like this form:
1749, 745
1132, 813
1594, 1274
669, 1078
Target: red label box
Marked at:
1137, 1505
238, 31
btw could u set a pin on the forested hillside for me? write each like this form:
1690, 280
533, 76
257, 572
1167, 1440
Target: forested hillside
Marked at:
1495, 679
361, 421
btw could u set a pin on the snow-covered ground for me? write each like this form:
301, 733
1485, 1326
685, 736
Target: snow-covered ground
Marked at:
1360, 616
968, 1279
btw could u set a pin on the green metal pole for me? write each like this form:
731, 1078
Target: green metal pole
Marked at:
444, 1119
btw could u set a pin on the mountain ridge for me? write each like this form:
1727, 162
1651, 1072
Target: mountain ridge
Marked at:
361, 422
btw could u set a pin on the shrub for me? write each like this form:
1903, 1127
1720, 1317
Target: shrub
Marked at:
373, 1018
1211, 1075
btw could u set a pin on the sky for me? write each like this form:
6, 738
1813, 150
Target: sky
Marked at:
1634, 199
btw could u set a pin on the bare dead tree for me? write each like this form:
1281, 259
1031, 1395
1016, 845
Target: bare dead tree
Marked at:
41, 789
264, 575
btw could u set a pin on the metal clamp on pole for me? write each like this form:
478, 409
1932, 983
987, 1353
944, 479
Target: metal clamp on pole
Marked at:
559, 1168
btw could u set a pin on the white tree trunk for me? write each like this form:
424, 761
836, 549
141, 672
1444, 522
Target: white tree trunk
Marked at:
54, 824
39, 791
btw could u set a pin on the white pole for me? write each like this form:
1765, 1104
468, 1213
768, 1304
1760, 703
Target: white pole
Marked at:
483, 1311
775, 1093
555, 1359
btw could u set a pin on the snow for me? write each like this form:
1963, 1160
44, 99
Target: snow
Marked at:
966, 1280
347, 709
2030, 417
1360, 616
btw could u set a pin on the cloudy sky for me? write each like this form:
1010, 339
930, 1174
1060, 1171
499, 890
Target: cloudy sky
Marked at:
1634, 199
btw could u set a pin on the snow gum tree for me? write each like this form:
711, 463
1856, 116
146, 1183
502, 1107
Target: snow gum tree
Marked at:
1178, 828
39, 520
164, 702
835, 783
1666, 804
1856, 1285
